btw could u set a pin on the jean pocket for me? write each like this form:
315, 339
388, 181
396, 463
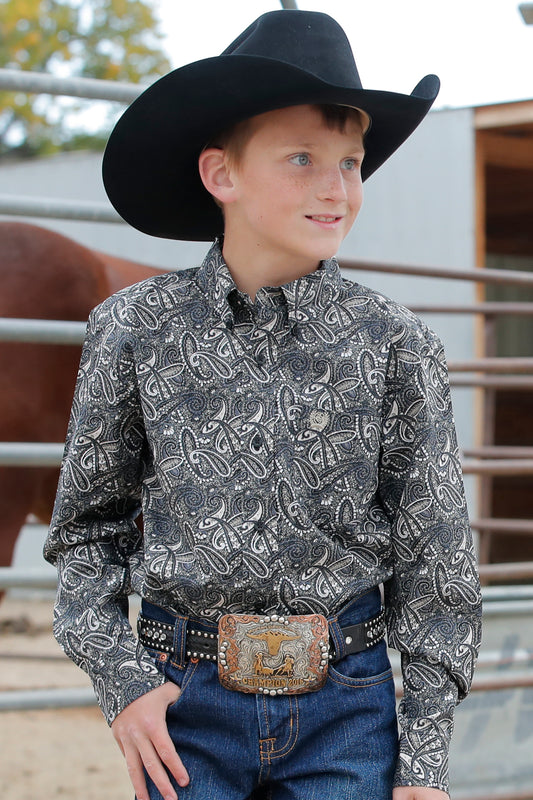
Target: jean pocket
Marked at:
181, 676
367, 668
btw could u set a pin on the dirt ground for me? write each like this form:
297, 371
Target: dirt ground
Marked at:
52, 753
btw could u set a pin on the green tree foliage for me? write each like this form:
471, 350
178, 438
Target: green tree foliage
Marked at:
109, 39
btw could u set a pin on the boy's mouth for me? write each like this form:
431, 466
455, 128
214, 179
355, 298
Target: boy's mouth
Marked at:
324, 218
325, 221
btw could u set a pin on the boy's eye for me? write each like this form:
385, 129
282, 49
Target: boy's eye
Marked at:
350, 164
300, 159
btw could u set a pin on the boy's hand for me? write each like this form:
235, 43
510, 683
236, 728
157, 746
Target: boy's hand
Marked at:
418, 793
142, 734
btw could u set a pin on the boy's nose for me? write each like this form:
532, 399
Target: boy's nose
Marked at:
331, 185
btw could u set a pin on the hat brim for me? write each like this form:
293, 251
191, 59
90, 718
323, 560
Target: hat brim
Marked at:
150, 165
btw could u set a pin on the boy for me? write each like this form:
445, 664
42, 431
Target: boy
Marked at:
288, 435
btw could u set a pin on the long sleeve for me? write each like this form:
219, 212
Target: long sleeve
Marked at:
433, 596
93, 537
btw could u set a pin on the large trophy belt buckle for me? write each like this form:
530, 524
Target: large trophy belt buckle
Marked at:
273, 655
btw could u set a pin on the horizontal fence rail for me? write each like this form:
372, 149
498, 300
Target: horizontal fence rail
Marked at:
522, 570
503, 599
501, 364
49, 454
31, 454
498, 451
490, 309
518, 382
495, 594
34, 699
41, 331
478, 275
71, 332
14, 329
28, 578
521, 526
50, 208
18, 80
498, 467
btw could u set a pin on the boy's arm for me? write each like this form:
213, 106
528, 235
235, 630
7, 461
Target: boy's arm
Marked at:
433, 596
93, 536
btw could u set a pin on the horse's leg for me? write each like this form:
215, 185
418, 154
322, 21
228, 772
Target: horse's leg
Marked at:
16, 492
44, 494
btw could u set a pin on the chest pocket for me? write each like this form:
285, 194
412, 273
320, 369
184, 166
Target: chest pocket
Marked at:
331, 446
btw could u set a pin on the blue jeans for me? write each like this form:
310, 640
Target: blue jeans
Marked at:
339, 743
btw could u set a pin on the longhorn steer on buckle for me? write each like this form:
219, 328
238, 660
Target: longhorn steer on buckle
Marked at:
273, 655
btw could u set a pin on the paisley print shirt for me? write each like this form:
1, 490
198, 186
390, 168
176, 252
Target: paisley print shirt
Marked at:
288, 455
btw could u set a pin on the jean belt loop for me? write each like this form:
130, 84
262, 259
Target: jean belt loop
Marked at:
180, 639
337, 638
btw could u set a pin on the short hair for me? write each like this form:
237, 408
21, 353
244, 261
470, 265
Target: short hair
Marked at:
234, 139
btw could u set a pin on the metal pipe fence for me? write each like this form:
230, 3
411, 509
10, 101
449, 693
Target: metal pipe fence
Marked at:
521, 526
50, 208
38, 699
498, 467
29, 578
15, 80
491, 365
31, 454
498, 451
42, 331
507, 276
488, 309
518, 382
522, 570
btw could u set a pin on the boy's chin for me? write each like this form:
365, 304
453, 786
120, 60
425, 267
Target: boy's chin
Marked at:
323, 254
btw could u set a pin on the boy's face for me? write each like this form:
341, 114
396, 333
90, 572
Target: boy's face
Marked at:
297, 188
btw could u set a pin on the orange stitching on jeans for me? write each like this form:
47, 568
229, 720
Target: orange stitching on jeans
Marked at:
294, 729
366, 683
265, 712
265, 747
188, 677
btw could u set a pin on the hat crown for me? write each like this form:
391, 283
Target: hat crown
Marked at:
308, 40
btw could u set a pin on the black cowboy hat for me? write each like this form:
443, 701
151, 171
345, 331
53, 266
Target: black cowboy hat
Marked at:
284, 58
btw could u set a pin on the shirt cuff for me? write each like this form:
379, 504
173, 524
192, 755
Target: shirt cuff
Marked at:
424, 752
117, 688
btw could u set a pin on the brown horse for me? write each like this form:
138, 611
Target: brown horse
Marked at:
43, 275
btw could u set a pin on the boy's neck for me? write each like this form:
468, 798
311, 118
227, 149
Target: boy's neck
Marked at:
252, 270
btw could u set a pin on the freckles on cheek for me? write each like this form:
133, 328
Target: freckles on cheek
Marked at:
297, 183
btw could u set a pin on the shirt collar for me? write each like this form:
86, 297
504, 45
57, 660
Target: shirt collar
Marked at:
303, 296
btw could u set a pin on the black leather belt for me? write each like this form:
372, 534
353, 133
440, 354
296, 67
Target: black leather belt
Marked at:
202, 645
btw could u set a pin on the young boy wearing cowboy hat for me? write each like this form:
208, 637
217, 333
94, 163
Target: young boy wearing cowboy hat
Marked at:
289, 438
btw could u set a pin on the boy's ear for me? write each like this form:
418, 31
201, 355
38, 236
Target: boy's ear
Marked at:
215, 174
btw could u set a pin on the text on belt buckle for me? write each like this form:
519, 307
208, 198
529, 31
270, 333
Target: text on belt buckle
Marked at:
273, 654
